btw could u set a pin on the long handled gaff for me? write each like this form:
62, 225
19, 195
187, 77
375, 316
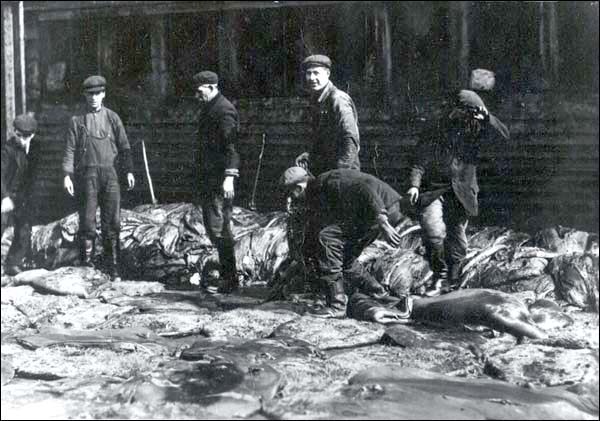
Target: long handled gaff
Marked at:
154, 201
260, 157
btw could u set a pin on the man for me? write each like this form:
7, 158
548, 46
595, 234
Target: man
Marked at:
336, 141
446, 169
217, 168
94, 140
20, 159
345, 211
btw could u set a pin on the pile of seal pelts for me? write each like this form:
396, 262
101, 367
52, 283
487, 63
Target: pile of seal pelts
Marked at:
555, 263
169, 243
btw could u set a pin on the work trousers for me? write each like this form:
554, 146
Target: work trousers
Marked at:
340, 245
21, 243
444, 223
99, 186
216, 214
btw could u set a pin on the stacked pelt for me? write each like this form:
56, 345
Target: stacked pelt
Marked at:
169, 243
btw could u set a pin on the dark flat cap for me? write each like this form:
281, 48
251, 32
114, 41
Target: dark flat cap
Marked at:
25, 124
206, 77
470, 99
94, 83
316, 60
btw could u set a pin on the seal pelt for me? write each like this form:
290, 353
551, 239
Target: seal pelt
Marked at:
495, 309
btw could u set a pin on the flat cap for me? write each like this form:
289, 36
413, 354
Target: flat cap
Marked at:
25, 123
316, 60
205, 77
94, 83
292, 176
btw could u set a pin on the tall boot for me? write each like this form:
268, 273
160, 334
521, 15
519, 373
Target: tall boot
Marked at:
336, 300
87, 252
229, 278
112, 251
440, 271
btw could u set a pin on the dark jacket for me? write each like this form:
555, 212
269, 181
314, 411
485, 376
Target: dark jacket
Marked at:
336, 141
218, 127
348, 198
108, 124
447, 162
18, 170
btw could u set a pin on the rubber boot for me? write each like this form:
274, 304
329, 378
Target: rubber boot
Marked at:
87, 253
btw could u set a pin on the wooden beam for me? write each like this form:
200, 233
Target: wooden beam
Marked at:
22, 103
8, 84
106, 35
227, 50
553, 41
385, 47
160, 74
542, 35
463, 64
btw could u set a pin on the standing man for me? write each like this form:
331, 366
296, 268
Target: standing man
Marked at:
446, 169
20, 159
335, 141
345, 211
94, 140
217, 168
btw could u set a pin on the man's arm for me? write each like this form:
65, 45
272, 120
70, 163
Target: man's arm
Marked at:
368, 194
229, 134
122, 143
6, 162
349, 142
70, 146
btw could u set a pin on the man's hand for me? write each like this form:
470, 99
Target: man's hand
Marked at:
7, 205
389, 233
69, 185
228, 191
413, 194
130, 181
302, 160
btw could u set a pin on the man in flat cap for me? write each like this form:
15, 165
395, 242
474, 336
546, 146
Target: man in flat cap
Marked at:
95, 138
445, 170
336, 141
20, 159
345, 210
217, 169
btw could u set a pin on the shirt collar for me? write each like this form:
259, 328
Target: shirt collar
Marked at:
325, 92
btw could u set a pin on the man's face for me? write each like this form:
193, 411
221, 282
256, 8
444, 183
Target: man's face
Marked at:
23, 137
298, 192
204, 93
316, 77
94, 99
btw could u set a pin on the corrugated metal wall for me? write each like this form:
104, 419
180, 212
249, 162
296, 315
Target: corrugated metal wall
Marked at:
546, 174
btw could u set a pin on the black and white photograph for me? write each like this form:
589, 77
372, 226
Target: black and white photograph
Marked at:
300, 210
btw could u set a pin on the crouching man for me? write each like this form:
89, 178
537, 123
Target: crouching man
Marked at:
345, 210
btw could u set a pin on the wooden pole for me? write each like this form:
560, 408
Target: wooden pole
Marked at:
154, 201
8, 84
